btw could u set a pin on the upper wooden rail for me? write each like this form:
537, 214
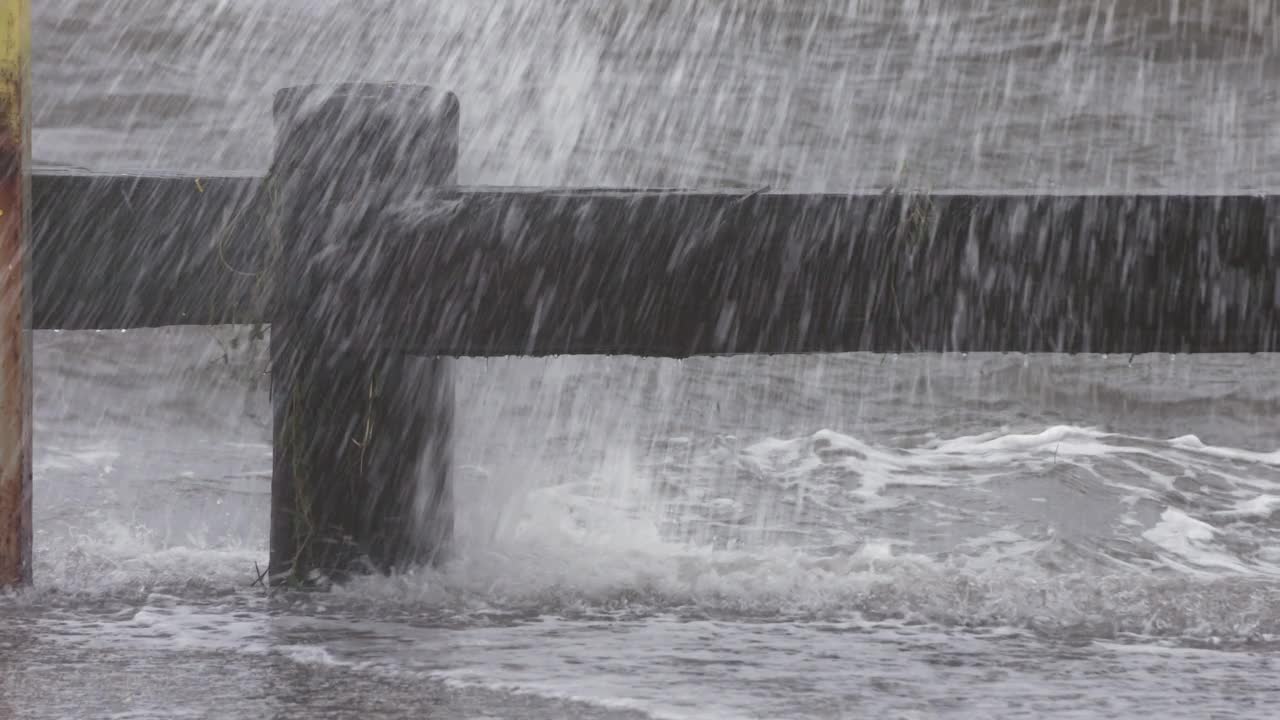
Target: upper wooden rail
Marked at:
484, 271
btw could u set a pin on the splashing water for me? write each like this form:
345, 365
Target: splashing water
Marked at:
916, 536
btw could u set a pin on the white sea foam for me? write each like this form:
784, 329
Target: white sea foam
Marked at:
1191, 544
606, 542
571, 692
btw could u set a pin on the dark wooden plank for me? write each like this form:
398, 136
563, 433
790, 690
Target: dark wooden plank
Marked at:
543, 272
129, 251
498, 273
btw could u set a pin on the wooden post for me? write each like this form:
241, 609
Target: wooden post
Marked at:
15, 295
349, 492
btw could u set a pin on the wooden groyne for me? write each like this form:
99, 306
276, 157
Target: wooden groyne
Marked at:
373, 267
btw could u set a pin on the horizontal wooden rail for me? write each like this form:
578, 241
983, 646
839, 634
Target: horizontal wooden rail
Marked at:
131, 251
482, 272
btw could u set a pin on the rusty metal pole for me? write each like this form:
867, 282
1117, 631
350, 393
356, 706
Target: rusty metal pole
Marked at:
360, 474
15, 294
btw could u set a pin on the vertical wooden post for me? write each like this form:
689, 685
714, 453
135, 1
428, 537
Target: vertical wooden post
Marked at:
15, 294
350, 423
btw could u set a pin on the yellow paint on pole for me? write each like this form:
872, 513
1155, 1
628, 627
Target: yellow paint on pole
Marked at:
15, 294
15, 53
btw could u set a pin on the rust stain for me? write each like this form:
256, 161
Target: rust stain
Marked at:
15, 466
